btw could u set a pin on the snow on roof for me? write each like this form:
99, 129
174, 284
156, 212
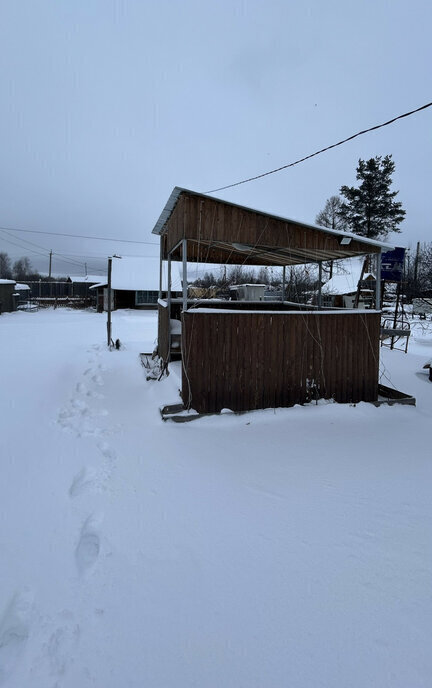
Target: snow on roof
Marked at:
345, 282
21, 287
87, 279
239, 286
6, 281
133, 274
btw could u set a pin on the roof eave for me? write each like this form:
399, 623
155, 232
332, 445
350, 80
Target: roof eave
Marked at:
177, 190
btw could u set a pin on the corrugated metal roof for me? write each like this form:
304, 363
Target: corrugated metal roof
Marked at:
172, 202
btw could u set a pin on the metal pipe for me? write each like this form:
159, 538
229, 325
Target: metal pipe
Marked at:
160, 269
184, 281
283, 282
169, 285
378, 282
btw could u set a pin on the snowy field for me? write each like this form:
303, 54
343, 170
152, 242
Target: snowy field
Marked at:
276, 548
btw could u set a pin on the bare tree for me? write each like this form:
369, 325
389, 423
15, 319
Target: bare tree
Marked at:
330, 216
5, 266
418, 271
22, 268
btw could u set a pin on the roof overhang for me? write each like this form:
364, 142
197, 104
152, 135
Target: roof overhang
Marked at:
298, 242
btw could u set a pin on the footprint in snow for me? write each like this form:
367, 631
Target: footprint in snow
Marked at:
94, 395
79, 405
97, 380
61, 645
14, 633
88, 547
106, 451
83, 481
81, 388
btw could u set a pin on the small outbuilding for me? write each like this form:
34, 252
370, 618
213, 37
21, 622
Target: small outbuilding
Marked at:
258, 354
341, 290
248, 292
8, 296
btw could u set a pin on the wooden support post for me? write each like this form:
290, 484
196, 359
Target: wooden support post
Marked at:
357, 296
320, 284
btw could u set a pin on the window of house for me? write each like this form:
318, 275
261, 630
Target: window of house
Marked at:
144, 297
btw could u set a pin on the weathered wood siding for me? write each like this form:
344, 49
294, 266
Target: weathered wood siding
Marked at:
206, 221
163, 332
258, 360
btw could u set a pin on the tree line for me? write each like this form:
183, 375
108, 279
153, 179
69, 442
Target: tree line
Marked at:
20, 270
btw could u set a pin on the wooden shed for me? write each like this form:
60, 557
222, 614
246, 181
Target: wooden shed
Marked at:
251, 355
8, 296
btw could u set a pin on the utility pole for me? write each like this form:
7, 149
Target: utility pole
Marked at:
416, 267
50, 263
109, 303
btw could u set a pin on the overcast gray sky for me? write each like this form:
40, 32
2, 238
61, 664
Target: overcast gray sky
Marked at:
106, 105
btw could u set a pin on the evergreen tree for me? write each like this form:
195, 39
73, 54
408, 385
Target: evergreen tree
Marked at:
330, 215
370, 209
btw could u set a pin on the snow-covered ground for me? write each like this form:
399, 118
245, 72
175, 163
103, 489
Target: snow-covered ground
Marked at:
276, 548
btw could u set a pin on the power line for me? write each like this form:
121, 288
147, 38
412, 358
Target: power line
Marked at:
74, 263
323, 150
79, 236
103, 256
38, 246
23, 248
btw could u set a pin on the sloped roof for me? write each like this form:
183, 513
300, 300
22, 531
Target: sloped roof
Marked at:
133, 274
345, 282
291, 250
87, 279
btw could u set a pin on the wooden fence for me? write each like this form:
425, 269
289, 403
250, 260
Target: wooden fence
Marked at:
250, 360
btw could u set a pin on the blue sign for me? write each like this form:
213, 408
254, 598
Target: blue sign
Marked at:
392, 265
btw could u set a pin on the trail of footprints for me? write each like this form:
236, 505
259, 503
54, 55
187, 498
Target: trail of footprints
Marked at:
81, 419
16, 619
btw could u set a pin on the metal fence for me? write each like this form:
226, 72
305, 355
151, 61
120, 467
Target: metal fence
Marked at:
59, 290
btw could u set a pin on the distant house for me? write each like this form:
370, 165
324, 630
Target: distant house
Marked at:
80, 285
248, 292
341, 290
134, 284
23, 290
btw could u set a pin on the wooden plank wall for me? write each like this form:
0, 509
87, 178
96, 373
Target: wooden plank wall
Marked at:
163, 332
245, 361
204, 220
